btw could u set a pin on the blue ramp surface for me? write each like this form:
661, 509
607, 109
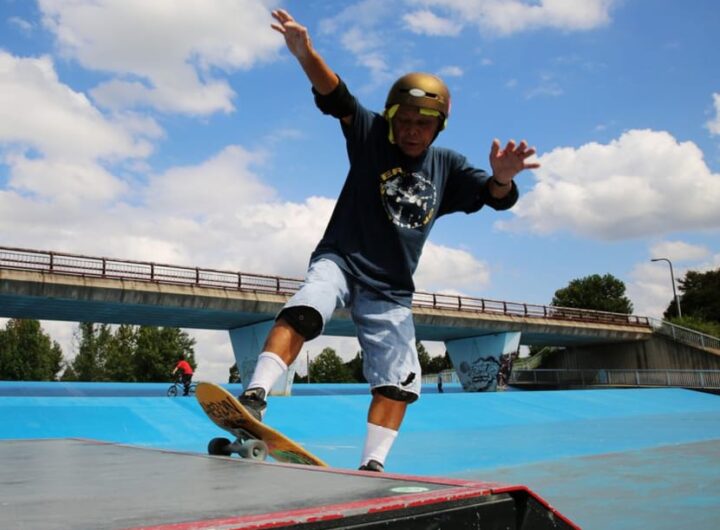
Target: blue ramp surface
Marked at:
651, 456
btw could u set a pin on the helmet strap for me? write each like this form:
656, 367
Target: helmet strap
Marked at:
389, 114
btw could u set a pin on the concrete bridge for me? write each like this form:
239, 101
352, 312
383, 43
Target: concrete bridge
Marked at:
59, 286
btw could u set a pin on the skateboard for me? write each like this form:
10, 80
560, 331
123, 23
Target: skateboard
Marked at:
253, 439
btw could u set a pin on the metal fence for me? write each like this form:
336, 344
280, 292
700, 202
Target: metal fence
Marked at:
447, 376
78, 265
695, 379
685, 335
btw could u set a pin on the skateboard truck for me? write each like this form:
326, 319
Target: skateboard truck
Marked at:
244, 445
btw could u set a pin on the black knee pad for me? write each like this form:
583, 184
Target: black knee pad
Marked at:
303, 319
395, 393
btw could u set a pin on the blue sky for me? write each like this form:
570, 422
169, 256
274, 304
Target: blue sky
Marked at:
183, 132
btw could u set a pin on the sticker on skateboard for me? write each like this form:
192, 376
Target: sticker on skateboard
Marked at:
253, 439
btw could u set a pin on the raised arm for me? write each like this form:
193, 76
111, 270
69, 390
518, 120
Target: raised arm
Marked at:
331, 94
297, 39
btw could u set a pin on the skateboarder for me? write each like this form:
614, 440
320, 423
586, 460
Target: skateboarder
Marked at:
396, 188
187, 373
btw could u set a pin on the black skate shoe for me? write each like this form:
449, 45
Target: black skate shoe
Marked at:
253, 399
372, 465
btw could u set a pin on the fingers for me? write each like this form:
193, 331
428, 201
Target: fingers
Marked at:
521, 150
495, 148
509, 147
512, 156
283, 17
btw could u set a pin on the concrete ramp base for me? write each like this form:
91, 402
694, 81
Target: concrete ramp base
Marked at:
84, 484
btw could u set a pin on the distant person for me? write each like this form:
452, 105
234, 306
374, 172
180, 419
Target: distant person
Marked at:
440, 383
397, 186
186, 373
503, 376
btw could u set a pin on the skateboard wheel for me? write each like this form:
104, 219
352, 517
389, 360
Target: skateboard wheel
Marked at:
254, 450
219, 446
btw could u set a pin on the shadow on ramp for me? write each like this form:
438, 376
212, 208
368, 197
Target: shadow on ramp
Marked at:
84, 484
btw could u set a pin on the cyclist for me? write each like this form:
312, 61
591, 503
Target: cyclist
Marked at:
187, 373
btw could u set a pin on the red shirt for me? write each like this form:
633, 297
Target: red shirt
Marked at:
185, 367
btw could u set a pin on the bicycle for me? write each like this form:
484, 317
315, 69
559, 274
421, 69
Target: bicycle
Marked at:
178, 388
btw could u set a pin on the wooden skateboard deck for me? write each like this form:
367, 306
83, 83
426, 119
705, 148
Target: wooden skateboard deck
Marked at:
228, 414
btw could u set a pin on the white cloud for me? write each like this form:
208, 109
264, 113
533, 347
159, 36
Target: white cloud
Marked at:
37, 118
451, 71
63, 181
22, 24
359, 29
364, 31
644, 183
40, 112
222, 183
650, 289
650, 285
468, 273
678, 251
713, 124
428, 23
163, 52
504, 17
547, 87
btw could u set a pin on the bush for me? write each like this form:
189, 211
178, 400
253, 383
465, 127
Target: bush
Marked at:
697, 324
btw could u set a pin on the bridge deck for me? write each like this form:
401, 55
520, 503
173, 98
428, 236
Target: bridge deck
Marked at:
47, 295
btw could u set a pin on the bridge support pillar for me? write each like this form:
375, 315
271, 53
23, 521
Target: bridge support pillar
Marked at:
477, 359
247, 343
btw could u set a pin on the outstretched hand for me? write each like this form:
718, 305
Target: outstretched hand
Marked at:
297, 38
507, 162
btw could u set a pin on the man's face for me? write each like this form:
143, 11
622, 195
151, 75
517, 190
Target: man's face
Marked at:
414, 132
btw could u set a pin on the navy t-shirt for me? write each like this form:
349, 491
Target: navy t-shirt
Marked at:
389, 203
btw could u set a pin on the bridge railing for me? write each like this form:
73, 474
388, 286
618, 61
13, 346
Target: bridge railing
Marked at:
79, 265
696, 379
685, 335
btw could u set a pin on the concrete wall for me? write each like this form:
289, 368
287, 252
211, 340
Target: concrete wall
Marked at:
659, 352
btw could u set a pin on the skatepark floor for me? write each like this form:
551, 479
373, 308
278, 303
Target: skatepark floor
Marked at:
607, 459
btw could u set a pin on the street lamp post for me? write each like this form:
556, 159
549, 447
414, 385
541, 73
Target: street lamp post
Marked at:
672, 278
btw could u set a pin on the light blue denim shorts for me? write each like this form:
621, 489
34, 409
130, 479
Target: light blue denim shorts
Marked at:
385, 329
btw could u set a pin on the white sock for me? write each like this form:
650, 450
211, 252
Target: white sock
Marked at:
378, 442
269, 368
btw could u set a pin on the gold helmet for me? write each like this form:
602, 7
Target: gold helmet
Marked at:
421, 90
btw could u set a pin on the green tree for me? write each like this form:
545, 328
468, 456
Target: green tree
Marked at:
119, 360
94, 343
602, 293
131, 353
27, 353
234, 374
158, 350
700, 296
329, 368
438, 363
432, 365
355, 368
423, 357
703, 326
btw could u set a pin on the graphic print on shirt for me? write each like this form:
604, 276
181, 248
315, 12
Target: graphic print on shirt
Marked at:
409, 198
